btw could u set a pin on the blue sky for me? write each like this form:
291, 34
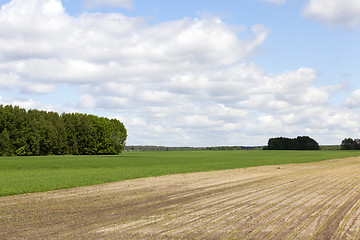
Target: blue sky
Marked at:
189, 73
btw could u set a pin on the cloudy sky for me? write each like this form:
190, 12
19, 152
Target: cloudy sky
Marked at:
191, 72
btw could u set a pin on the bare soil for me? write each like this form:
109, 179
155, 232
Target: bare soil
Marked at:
296, 201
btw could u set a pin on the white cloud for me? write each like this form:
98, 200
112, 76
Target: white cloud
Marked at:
39, 88
200, 121
109, 3
339, 12
186, 82
32, 104
86, 101
270, 123
9, 81
353, 101
156, 96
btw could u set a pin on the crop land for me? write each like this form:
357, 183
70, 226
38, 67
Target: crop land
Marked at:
19, 175
319, 200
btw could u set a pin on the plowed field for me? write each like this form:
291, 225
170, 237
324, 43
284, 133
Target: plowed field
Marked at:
296, 201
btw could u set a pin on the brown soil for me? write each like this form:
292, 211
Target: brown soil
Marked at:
297, 201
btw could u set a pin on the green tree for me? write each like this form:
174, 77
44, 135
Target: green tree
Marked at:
14, 119
299, 143
37, 132
348, 144
275, 144
57, 133
307, 143
5, 146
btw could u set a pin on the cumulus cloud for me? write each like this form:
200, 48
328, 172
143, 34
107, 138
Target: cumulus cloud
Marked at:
32, 104
9, 81
108, 3
339, 12
86, 101
185, 82
353, 101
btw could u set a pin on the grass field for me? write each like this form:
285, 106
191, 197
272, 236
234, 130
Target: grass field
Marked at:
37, 174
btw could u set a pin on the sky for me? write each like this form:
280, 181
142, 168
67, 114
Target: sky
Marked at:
189, 73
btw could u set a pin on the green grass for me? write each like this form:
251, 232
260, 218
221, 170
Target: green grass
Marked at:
36, 174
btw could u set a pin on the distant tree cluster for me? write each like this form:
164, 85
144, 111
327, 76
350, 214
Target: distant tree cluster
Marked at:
34, 133
350, 144
216, 148
299, 143
330, 147
223, 148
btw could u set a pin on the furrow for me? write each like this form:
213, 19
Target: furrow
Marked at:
294, 218
314, 188
314, 215
299, 192
334, 214
201, 205
232, 207
249, 213
341, 229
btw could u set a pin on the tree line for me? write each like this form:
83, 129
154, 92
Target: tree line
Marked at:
299, 143
350, 144
35, 133
215, 148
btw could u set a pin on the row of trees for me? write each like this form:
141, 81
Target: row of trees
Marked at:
34, 132
163, 148
350, 144
299, 143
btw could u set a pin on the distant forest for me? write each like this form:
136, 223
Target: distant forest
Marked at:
299, 143
216, 148
350, 144
34, 133
163, 148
